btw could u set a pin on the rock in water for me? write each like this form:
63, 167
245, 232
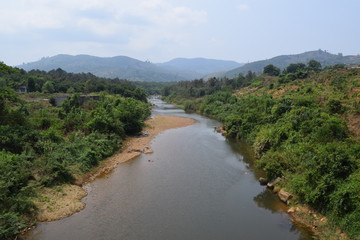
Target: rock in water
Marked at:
272, 184
284, 196
263, 181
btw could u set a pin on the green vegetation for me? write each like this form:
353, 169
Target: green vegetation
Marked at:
323, 57
303, 126
45, 145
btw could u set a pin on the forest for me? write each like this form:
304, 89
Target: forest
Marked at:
44, 145
304, 125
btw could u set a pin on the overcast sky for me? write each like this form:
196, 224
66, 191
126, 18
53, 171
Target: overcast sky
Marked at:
159, 30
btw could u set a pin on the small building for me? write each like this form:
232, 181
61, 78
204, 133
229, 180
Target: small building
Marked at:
22, 89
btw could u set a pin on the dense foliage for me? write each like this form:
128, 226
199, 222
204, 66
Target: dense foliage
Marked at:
199, 88
59, 81
303, 126
45, 145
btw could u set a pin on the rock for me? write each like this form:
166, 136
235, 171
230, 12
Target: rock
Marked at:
220, 129
148, 150
136, 150
276, 189
284, 196
263, 181
291, 210
141, 135
272, 184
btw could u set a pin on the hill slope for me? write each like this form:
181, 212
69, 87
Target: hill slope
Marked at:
112, 67
198, 67
323, 57
304, 130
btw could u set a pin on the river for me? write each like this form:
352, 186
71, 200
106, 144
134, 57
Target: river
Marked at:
197, 185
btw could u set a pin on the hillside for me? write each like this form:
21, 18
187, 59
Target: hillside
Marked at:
113, 67
325, 58
198, 67
304, 130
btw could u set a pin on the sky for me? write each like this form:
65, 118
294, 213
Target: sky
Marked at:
160, 30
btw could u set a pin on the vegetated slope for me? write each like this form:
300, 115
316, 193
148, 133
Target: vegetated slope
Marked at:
303, 129
198, 67
112, 67
42, 145
325, 58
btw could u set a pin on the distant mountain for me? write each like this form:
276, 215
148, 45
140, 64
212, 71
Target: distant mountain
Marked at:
133, 69
112, 67
283, 61
177, 69
198, 67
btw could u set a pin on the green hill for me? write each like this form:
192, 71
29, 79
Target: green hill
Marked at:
325, 58
113, 67
198, 67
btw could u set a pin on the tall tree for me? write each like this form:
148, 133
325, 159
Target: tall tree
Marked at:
271, 70
314, 65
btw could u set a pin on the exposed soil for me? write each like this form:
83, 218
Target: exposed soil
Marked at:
317, 223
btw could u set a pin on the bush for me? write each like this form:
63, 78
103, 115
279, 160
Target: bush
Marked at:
190, 106
334, 106
14, 194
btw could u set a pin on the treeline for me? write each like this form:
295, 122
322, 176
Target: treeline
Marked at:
303, 125
59, 81
42, 145
199, 87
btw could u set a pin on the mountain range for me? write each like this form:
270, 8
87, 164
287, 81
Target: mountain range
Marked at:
198, 67
177, 69
132, 69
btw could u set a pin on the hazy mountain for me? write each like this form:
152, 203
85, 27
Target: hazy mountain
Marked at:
283, 61
133, 69
112, 67
198, 67
177, 69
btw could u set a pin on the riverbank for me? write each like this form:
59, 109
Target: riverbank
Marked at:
63, 201
304, 215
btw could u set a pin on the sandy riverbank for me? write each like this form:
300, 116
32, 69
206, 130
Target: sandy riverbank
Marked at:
63, 201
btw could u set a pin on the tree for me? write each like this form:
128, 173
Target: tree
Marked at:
3, 82
48, 87
271, 70
334, 106
31, 85
52, 101
314, 65
294, 67
250, 75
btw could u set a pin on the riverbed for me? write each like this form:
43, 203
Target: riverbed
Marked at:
197, 184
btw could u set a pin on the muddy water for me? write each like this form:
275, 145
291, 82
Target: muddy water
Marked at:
196, 185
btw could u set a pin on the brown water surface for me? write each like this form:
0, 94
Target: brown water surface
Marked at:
198, 185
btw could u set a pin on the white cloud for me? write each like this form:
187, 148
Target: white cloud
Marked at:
97, 27
136, 18
136, 27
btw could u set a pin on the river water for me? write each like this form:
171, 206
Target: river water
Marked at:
198, 185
